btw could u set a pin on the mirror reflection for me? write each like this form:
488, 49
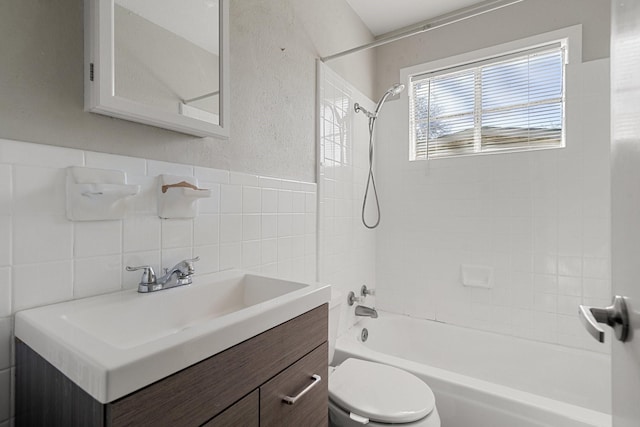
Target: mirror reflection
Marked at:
167, 55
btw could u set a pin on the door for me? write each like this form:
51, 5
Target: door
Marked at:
625, 204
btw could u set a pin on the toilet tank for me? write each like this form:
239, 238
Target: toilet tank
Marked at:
334, 320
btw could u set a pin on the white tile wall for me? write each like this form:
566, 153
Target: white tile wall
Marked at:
177, 233
42, 283
251, 200
107, 233
97, 275
206, 229
539, 219
346, 248
269, 200
230, 228
141, 233
41, 238
230, 199
252, 222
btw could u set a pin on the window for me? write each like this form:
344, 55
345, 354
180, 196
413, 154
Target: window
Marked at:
512, 102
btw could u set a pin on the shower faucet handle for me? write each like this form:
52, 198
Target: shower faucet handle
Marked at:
364, 291
352, 298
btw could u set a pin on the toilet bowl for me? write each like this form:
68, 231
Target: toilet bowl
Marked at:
363, 392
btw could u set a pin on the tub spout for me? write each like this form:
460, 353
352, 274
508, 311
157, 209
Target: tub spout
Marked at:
362, 310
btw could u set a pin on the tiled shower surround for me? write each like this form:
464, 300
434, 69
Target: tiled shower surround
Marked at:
252, 222
346, 248
540, 220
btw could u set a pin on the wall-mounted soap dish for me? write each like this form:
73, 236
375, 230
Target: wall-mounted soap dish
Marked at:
97, 194
178, 196
476, 276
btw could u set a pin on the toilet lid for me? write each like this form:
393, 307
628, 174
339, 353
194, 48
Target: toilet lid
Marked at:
379, 392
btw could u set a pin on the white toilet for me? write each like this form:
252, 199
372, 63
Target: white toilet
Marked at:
363, 392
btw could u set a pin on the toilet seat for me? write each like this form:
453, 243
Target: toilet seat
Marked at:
380, 393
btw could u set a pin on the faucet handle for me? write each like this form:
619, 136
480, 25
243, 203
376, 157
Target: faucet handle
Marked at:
364, 291
148, 275
186, 266
352, 298
189, 263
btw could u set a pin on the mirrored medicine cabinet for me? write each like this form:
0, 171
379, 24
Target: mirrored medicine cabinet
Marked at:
159, 62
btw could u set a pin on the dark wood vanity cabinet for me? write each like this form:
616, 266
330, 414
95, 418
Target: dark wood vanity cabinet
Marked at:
241, 386
245, 413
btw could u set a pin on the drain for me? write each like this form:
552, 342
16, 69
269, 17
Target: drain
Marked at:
364, 335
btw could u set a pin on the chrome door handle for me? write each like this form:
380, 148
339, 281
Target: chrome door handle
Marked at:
291, 400
616, 316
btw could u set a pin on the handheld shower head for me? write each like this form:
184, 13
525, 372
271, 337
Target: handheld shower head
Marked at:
394, 90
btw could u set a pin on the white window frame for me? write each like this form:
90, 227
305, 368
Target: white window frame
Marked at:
570, 36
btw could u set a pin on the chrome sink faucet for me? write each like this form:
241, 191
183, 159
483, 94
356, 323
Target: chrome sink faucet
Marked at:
179, 275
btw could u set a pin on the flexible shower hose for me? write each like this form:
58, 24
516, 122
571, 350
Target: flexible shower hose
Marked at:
371, 182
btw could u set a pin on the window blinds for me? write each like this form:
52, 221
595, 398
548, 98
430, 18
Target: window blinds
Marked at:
508, 103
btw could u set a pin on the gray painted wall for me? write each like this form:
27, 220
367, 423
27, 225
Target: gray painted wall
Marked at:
521, 20
274, 45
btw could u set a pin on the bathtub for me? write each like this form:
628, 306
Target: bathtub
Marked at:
481, 379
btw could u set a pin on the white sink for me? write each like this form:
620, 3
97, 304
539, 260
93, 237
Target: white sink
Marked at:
125, 320
114, 344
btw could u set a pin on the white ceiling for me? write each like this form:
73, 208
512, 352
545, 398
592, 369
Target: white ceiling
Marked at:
382, 16
194, 20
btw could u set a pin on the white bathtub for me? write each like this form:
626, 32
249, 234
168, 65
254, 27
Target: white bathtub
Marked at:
482, 379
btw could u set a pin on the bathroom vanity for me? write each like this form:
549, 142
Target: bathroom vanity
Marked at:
245, 384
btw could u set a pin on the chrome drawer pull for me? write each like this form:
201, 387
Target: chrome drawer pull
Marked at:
291, 400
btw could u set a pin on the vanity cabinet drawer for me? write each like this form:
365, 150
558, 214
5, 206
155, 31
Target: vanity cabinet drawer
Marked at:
245, 413
310, 407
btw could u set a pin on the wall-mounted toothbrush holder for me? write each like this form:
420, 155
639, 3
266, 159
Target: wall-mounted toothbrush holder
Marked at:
178, 196
97, 194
